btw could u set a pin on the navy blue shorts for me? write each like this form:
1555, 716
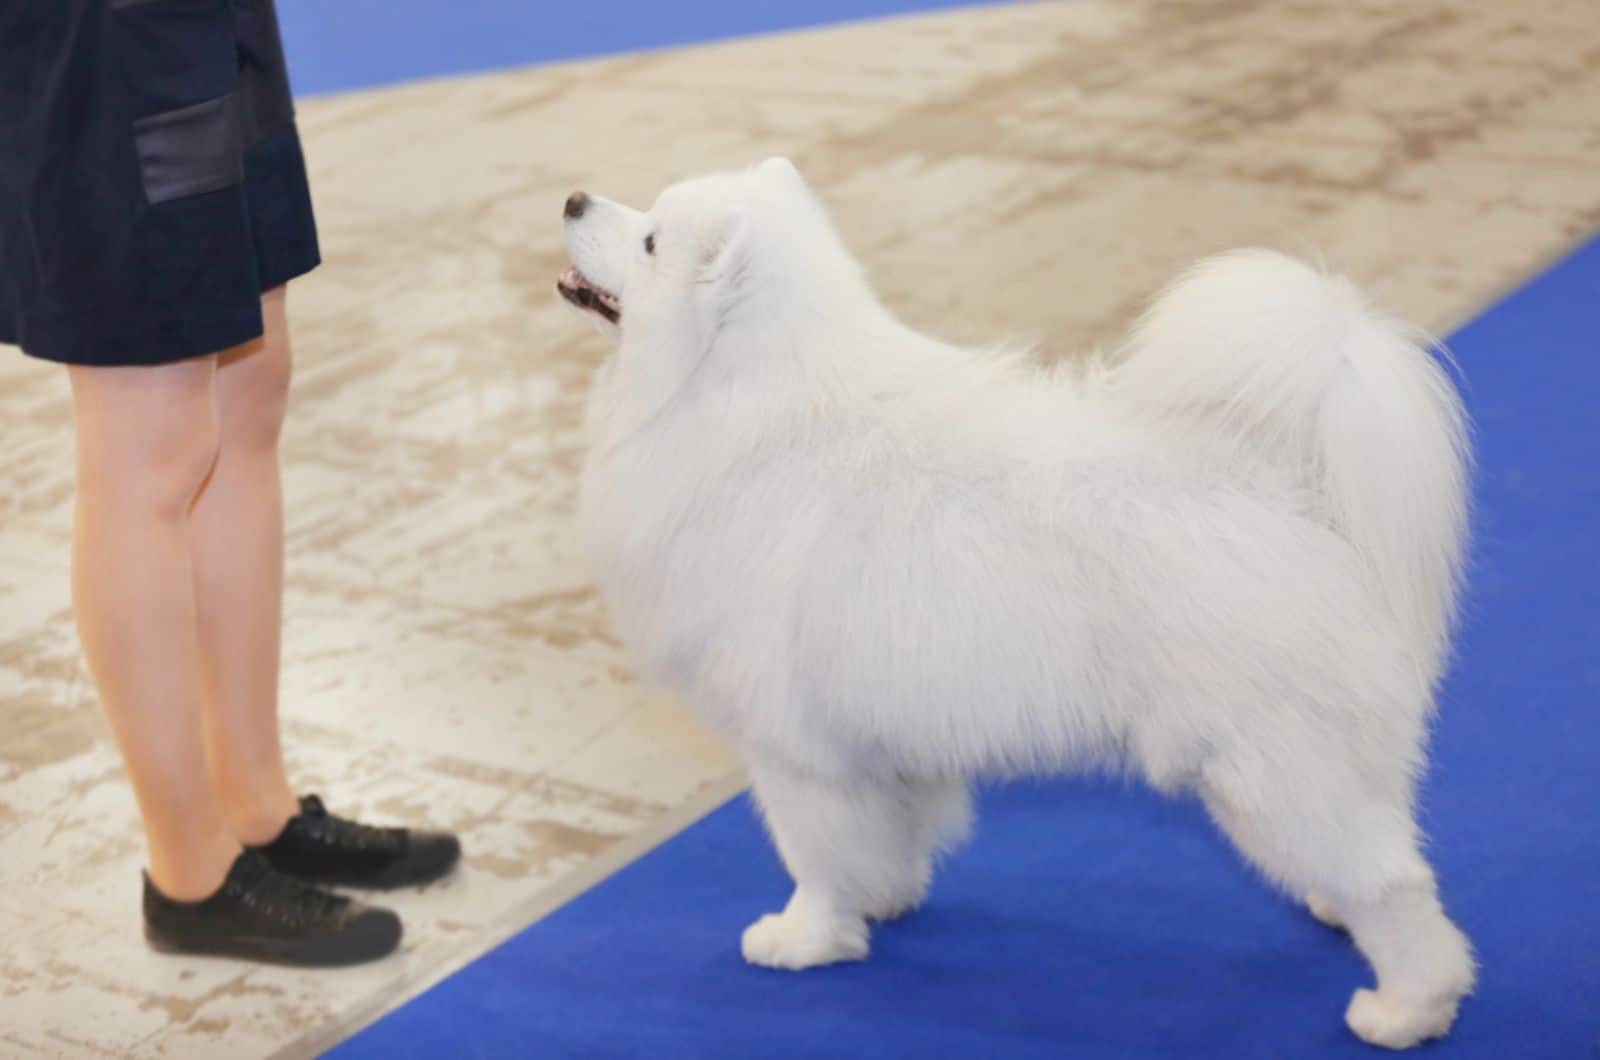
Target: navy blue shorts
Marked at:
151, 180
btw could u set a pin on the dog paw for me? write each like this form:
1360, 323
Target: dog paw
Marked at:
1393, 1023
790, 940
1325, 913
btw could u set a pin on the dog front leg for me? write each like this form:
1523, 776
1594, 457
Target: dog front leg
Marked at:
857, 849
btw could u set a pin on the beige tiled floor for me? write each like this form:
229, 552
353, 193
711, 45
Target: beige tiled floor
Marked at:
1033, 170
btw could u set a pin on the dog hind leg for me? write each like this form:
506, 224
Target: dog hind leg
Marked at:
1320, 827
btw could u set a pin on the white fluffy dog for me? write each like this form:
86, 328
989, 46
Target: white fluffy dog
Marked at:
1226, 561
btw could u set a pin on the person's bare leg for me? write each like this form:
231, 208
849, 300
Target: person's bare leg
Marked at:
237, 542
146, 438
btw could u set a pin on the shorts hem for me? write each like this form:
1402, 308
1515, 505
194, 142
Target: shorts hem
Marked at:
193, 339
288, 270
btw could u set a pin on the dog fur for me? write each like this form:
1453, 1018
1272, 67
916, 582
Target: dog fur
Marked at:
1225, 560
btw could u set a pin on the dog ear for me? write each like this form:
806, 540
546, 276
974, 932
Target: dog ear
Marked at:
726, 253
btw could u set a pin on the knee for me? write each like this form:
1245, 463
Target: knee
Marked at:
158, 467
181, 461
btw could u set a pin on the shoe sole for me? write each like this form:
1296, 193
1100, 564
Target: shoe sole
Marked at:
379, 882
292, 952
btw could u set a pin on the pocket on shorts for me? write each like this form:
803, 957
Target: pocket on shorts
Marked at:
190, 150
179, 66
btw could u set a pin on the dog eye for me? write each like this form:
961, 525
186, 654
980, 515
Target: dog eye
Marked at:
650, 243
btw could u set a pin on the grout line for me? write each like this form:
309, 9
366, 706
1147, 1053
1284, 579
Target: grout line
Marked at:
512, 922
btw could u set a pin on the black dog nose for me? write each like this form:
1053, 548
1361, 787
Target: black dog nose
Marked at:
577, 202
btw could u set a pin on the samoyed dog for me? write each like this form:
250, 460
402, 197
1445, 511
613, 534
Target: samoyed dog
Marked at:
1224, 560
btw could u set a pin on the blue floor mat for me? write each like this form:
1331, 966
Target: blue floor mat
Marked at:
342, 44
1087, 921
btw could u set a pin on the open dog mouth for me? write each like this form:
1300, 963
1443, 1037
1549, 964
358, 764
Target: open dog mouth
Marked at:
576, 288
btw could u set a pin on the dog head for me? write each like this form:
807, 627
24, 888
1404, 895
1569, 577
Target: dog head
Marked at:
711, 253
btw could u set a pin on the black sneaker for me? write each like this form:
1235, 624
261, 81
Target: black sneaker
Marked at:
259, 914
322, 848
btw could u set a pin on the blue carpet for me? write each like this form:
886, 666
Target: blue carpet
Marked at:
341, 44
1085, 921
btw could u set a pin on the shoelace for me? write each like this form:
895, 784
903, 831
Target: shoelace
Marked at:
282, 898
338, 831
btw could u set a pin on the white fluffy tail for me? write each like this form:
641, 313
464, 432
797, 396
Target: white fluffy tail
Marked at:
1297, 364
